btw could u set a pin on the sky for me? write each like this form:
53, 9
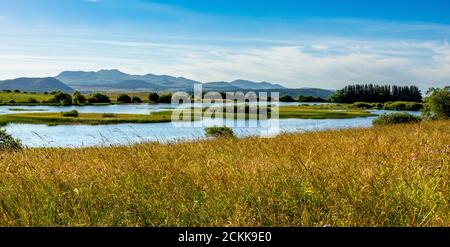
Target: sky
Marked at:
322, 43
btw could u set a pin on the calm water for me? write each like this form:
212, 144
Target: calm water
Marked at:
125, 109
83, 136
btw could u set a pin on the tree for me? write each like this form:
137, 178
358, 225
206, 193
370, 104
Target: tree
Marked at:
153, 98
136, 99
79, 99
61, 98
124, 98
376, 93
32, 101
287, 98
99, 98
165, 99
437, 104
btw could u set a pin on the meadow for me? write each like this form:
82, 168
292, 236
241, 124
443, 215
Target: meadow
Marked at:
5, 97
383, 176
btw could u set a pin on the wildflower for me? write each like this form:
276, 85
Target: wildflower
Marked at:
414, 157
76, 191
327, 225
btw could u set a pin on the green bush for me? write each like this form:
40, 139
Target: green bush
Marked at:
437, 104
32, 101
79, 99
60, 98
124, 98
73, 113
9, 143
108, 115
136, 99
287, 98
165, 99
219, 132
403, 106
99, 98
396, 118
153, 98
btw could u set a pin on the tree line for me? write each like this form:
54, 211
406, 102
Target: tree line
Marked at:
376, 93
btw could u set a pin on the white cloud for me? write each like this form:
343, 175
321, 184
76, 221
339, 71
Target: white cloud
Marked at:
325, 63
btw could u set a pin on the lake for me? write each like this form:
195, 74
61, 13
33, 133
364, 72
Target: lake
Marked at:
104, 135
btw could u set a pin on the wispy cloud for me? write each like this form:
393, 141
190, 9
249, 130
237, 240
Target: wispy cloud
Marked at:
328, 63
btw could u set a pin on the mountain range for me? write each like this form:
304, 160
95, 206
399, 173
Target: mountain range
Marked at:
115, 80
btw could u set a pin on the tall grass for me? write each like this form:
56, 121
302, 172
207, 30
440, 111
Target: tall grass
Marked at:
385, 176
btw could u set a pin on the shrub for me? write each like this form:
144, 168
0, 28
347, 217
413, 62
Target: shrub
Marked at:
11, 102
219, 132
287, 98
153, 98
9, 143
437, 104
308, 99
124, 98
396, 118
403, 106
61, 98
32, 101
136, 99
73, 113
17, 91
99, 98
108, 115
165, 99
79, 99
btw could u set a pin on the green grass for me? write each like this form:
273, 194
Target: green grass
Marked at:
321, 112
83, 118
22, 97
385, 176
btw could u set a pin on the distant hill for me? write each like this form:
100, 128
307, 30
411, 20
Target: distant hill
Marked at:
111, 78
137, 85
37, 85
254, 85
115, 80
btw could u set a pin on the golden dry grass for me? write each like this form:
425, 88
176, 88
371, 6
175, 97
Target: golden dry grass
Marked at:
385, 176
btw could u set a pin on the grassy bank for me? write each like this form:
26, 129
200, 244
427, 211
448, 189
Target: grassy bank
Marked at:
55, 118
299, 112
386, 176
321, 112
22, 98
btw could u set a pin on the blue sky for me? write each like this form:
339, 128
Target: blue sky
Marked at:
320, 43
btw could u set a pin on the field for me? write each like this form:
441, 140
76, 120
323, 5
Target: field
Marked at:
384, 176
22, 97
